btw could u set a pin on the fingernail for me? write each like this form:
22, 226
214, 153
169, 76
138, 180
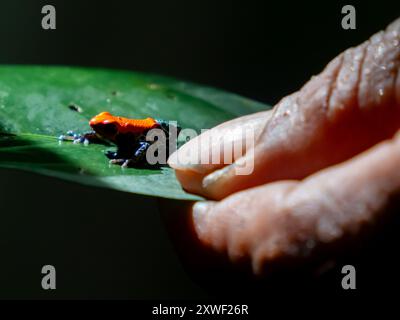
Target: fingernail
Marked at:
217, 175
200, 210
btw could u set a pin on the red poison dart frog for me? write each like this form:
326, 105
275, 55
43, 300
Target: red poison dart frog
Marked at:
129, 135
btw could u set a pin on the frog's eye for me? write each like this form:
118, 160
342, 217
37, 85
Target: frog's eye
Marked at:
109, 129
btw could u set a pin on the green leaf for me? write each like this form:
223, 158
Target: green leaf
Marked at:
37, 104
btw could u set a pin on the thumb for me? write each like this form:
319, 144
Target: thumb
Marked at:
352, 105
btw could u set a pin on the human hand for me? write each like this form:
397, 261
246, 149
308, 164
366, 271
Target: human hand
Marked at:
325, 163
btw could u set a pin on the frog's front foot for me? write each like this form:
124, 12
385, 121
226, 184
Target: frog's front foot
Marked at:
85, 138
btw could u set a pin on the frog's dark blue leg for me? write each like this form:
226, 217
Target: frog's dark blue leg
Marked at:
138, 156
140, 152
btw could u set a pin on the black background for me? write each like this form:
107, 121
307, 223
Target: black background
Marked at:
107, 244
260, 49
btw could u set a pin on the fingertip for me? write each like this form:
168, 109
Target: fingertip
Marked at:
204, 153
190, 180
172, 161
200, 213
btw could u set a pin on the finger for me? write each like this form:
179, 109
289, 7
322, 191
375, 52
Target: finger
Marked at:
352, 105
292, 219
208, 152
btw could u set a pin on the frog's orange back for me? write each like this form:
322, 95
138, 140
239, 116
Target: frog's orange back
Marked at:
137, 125
124, 125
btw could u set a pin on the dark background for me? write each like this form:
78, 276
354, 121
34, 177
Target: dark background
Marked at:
118, 248
260, 49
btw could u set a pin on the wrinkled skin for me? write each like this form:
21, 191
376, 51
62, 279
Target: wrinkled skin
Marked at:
326, 163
